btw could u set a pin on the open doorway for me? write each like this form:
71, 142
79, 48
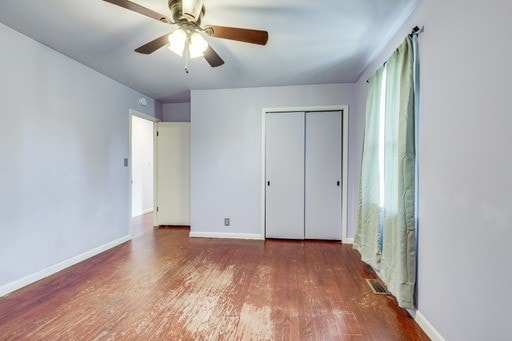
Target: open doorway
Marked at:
142, 170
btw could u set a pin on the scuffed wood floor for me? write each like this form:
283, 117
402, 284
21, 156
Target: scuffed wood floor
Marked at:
165, 286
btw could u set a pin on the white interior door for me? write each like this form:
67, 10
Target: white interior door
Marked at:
284, 172
173, 174
323, 175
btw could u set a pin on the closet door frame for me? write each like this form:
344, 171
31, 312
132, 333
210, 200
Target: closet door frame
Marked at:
344, 179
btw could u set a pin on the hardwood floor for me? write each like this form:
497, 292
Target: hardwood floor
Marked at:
165, 286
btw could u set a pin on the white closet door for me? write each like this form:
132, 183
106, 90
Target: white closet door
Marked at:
173, 174
284, 175
323, 175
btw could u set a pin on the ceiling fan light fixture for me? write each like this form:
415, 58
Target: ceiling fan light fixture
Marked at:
197, 45
177, 41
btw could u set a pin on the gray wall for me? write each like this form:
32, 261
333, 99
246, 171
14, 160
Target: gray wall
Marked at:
226, 150
176, 112
465, 157
63, 137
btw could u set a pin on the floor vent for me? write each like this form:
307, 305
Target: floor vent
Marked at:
377, 286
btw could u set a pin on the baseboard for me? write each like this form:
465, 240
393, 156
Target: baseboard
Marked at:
136, 214
23, 282
427, 327
348, 241
195, 234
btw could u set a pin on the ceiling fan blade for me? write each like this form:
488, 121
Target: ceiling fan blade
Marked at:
140, 9
212, 57
239, 34
153, 45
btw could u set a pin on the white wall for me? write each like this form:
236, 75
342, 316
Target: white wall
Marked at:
176, 112
63, 138
142, 166
465, 156
226, 150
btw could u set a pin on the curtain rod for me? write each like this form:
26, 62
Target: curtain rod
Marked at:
416, 30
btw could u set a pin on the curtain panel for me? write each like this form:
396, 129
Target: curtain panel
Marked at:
367, 237
386, 238
398, 262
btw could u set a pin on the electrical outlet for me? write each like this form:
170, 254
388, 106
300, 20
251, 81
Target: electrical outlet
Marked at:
226, 221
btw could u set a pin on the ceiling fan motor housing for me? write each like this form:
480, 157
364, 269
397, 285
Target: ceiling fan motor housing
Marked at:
176, 8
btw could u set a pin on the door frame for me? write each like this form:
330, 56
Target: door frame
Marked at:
132, 112
344, 180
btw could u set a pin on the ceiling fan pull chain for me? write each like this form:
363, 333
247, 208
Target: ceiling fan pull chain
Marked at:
187, 53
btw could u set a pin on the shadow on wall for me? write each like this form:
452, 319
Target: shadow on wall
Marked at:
176, 112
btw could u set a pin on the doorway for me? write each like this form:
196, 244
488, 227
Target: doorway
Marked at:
141, 166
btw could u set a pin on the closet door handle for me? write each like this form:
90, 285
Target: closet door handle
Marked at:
338, 183
268, 183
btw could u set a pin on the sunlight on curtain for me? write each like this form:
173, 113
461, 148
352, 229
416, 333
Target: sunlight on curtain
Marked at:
382, 135
367, 236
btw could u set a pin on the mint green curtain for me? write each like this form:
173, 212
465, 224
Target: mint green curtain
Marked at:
367, 236
398, 261
385, 237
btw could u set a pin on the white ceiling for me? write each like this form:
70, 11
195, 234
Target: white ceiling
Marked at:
310, 41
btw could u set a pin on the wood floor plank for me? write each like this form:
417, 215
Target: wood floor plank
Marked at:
164, 285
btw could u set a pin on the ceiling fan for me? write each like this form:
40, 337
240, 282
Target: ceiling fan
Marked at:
187, 39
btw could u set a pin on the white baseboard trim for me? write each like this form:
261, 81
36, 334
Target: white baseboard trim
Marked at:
348, 241
427, 327
194, 234
23, 282
136, 214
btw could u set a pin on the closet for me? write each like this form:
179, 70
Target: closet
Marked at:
303, 169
